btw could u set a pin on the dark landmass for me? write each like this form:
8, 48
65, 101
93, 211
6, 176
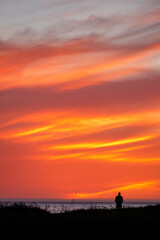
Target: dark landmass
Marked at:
29, 222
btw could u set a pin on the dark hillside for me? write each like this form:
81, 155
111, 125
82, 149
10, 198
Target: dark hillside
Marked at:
22, 222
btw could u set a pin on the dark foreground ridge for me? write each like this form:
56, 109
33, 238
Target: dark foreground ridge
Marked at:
28, 223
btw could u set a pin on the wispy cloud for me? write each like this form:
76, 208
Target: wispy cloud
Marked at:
141, 185
117, 97
79, 96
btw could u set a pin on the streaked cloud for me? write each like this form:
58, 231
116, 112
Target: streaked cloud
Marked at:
79, 98
141, 185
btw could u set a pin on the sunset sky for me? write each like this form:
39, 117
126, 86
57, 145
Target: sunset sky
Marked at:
80, 99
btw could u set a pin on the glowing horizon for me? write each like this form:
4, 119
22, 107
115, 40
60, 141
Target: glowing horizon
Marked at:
79, 99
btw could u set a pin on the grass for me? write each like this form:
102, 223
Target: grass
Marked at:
19, 221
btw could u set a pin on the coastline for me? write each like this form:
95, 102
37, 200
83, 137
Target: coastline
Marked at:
62, 205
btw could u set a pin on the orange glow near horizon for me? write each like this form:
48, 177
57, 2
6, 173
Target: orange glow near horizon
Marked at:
103, 194
61, 138
80, 100
137, 186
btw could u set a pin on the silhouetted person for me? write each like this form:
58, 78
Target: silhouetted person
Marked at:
119, 201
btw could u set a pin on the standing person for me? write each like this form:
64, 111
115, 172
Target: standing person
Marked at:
119, 201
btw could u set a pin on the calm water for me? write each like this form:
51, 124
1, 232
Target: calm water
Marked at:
62, 206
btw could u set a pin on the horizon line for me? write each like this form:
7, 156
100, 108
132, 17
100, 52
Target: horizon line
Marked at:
78, 200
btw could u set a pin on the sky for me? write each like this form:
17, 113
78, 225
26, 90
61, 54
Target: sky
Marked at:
80, 99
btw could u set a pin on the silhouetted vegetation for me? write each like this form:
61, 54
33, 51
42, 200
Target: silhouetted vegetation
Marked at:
19, 221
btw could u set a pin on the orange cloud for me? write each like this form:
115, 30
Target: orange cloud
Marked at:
82, 62
79, 102
102, 144
37, 130
135, 186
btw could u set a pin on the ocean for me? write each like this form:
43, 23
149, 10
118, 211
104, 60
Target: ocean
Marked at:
59, 206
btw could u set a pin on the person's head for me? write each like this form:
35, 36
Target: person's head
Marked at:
119, 194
